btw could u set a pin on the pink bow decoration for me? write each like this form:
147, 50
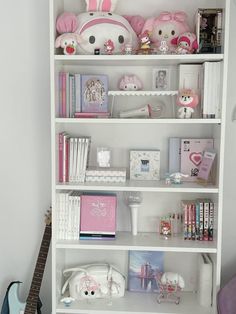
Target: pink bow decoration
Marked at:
178, 16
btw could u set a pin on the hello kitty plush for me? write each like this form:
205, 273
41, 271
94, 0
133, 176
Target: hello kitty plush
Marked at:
98, 25
167, 27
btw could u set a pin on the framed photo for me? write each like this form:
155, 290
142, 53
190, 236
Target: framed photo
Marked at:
144, 267
145, 165
161, 79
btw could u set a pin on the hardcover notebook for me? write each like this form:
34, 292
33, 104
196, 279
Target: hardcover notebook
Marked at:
94, 93
144, 266
191, 156
98, 216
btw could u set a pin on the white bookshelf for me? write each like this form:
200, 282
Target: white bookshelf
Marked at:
122, 135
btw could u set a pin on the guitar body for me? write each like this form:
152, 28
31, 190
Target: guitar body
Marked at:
12, 304
15, 306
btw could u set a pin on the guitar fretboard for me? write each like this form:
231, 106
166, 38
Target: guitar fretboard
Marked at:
31, 303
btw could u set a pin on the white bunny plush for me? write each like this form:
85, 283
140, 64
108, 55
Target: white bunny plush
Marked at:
98, 25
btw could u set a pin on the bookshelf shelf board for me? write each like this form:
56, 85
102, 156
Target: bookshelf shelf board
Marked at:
137, 303
143, 186
142, 93
136, 121
141, 59
144, 241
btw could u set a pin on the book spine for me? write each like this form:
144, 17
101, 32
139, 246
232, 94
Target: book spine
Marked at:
201, 216
77, 93
189, 208
193, 208
63, 95
211, 221
60, 95
185, 216
197, 208
206, 220
73, 97
67, 95
67, 158
71, 159
60, 159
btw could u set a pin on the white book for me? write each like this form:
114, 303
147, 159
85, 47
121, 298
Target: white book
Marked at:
76, 221
79, 148
77, 93
75, 159
71, 162
64, 174
81, 159
62, 215
205, 278
174, 154
85, 157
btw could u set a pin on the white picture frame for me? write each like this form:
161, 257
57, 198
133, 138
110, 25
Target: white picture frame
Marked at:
144, 165
161, 78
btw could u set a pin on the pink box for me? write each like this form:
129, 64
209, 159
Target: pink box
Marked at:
191, 156
98, 216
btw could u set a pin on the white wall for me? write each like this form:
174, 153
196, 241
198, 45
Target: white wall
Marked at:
229, 213
25, 146
25, 141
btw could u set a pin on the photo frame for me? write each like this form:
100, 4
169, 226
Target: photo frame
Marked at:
161, 79
145, 165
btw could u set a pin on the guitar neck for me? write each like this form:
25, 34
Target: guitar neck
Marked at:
32, 300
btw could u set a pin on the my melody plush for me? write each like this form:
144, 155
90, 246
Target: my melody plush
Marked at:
97, 26
187, 43
167, 27
130, 82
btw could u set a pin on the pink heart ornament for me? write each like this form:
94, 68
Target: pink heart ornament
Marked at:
196, 158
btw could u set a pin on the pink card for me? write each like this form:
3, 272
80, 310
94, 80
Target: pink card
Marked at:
98, 214
191, 156
206, 165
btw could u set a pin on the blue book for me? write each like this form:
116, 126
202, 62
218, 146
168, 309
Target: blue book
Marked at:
94, 93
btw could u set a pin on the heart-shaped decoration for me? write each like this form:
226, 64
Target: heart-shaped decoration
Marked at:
196, 158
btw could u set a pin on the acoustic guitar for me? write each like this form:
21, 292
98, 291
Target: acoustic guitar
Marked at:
32, 303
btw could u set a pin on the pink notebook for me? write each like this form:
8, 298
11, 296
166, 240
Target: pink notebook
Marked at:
98, 216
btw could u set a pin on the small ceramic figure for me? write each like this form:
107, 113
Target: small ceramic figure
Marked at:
177, 177
109, 47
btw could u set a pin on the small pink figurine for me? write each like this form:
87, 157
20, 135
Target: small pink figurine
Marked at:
145, 42
187, 43
109, 47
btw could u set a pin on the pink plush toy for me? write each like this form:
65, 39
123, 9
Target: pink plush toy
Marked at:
136, 21
187, 43
130, 82
68, 42
98, 25
187, 100
167, 27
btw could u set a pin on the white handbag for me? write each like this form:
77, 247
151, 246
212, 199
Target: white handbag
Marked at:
94, 281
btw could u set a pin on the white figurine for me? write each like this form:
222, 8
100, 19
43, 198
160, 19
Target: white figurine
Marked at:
177, 177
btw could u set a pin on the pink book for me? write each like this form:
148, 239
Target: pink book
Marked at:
67, 148
191, 156
91, 114
98, 216
60, 159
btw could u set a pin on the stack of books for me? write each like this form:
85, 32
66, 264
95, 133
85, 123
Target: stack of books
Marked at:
98, 216
198, 219
82, 96
73, 158
68, 215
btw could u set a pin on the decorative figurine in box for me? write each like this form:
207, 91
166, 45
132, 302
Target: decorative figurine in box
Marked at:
170, 285
187, 99
209, 30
